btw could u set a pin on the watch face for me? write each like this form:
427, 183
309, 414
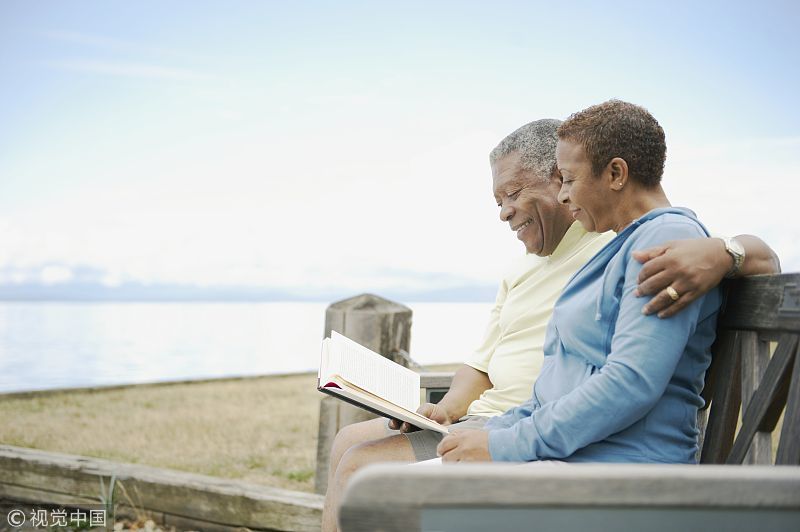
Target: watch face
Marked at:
736, 246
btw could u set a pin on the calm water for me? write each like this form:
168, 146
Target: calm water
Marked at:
56, 345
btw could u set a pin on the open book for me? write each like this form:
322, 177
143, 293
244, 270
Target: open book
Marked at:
362, 377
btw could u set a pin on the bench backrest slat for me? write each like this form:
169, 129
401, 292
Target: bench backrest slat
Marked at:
755, 359
744, 378
789, 445
764, 302
721, 425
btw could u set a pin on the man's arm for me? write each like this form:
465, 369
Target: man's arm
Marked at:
468, 384
693, 267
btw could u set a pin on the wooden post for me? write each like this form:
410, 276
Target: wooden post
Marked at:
377, 323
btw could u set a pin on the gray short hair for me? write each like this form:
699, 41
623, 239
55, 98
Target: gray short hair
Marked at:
536, 144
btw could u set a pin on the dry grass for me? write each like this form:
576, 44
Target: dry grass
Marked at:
260, 430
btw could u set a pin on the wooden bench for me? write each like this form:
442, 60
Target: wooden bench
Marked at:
755, 371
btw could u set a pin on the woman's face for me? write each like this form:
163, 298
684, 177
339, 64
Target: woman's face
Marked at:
588, 200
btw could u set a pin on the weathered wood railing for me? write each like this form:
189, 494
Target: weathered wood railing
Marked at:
743, 377
170, 498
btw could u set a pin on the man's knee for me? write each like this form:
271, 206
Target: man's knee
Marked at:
354, 459
392, 449
351, 435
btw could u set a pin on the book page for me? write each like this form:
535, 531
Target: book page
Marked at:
431, 462
370, 371
323, 371
347, 391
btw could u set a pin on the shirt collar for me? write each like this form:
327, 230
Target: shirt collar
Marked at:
571, 237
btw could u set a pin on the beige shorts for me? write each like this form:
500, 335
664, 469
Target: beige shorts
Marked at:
424, 442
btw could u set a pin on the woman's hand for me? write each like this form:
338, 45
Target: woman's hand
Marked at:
465, 446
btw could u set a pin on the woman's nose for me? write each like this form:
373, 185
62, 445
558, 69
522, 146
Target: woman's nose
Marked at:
563, 195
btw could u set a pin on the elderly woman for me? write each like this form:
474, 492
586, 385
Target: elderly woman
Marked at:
617, 385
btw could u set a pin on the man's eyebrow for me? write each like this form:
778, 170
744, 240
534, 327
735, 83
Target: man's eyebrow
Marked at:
516, 182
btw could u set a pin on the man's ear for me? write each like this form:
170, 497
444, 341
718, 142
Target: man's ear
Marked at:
617, 171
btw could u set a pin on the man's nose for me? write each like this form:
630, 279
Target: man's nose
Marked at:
506, 213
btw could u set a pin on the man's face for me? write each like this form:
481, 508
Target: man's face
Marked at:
529, 203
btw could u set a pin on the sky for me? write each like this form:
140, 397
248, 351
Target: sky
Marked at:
343, 146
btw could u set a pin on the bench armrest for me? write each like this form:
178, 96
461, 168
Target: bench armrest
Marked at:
435, 384
393, 497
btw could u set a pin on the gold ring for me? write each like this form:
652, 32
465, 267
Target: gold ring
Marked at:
673, 294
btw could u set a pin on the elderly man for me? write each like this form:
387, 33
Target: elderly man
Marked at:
501, 372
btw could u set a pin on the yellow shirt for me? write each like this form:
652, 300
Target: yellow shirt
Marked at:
512, 349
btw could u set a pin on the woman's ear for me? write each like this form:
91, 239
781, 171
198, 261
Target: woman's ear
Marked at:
618, 173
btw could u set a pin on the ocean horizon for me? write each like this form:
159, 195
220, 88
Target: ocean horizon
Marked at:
75, 344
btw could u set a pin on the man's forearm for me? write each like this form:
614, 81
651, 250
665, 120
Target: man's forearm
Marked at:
468, 384
759, 257
693, 267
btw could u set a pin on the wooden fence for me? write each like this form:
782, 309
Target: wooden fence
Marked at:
171, 498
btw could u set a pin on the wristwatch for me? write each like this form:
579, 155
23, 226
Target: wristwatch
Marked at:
735, 250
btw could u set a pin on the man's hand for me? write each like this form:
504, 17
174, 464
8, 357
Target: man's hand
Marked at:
432, 411
465, 446
690, 267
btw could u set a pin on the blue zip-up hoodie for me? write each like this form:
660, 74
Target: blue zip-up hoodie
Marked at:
616, 385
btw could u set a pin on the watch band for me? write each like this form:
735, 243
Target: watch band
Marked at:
735, 250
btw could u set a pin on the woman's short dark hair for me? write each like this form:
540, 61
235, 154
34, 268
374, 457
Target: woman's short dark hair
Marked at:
619, 129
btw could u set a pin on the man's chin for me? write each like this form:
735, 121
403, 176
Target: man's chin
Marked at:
534, 249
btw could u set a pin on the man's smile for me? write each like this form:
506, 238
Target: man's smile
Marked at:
523, 225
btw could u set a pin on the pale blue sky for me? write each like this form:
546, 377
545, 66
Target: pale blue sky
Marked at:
313, 145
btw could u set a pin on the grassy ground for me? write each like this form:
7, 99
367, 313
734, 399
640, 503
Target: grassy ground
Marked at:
262, 430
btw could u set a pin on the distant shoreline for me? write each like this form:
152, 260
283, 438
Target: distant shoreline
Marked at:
98, 293
108, 387
27, 394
